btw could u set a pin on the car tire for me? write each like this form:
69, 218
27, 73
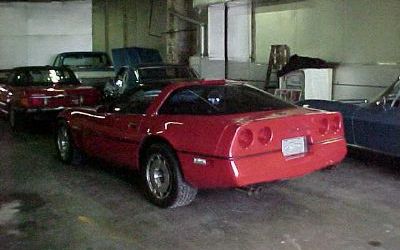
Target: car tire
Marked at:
67, 152
163, 181
330, 168
15, 119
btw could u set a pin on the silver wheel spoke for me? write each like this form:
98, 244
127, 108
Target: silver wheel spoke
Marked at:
63, 142
158, 176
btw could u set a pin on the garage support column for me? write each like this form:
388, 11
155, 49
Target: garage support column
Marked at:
226, 55
181, 36
106, 26
130, 23
99, 22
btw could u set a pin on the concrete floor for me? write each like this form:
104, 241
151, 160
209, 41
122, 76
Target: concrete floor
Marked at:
47, 205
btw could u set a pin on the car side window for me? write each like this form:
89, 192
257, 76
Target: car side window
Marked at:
191, 101
135, 103
56, 61
20, 79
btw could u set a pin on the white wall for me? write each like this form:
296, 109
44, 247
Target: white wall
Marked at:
33, 33
239, 31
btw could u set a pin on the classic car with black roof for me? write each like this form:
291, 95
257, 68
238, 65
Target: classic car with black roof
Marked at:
41, 92
129, 77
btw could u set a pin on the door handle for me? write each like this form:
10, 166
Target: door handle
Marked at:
132, 125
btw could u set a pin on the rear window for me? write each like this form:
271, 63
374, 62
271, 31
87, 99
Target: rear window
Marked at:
220, 100
86, 60
45, 77
165, 73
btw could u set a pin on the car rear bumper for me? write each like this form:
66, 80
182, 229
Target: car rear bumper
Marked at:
45, 114
272, 166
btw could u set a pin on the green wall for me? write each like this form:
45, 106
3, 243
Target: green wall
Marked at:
347, 31
125, 23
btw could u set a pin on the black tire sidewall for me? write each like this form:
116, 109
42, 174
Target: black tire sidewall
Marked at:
13, 119
173, 166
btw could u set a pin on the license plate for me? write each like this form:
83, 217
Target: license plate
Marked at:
294, 146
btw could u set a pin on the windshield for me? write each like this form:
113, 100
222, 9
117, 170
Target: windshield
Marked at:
46, 77
221, 99
165, 73
86, 60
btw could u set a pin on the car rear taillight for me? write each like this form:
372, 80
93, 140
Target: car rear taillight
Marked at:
245, 138
323, 126
24, 102
37, 101
335, 124
264, 135
33, 100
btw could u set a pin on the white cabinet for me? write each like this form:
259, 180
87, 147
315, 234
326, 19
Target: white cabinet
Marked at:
313, 83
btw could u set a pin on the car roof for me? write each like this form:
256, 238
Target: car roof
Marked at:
142, 65
169, 86
47, 67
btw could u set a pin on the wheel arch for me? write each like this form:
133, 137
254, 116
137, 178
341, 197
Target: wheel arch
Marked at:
154, 139
76, 135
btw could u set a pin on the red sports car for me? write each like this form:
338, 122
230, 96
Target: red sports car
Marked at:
41, 92
205, 134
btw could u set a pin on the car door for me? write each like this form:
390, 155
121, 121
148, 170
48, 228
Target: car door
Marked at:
116, 134
377, 127
123, 137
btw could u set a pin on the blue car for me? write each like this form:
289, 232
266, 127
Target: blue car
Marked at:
374, 126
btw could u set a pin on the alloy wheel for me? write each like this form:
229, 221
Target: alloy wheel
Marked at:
63, 142
158, 176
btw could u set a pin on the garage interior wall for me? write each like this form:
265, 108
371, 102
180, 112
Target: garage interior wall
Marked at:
363, 36
346, 31
33, 33
128, 23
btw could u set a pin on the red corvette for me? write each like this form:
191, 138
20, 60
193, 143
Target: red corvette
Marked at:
41, 92
206, 134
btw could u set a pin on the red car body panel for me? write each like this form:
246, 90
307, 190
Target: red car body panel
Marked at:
56, 96
216, 140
